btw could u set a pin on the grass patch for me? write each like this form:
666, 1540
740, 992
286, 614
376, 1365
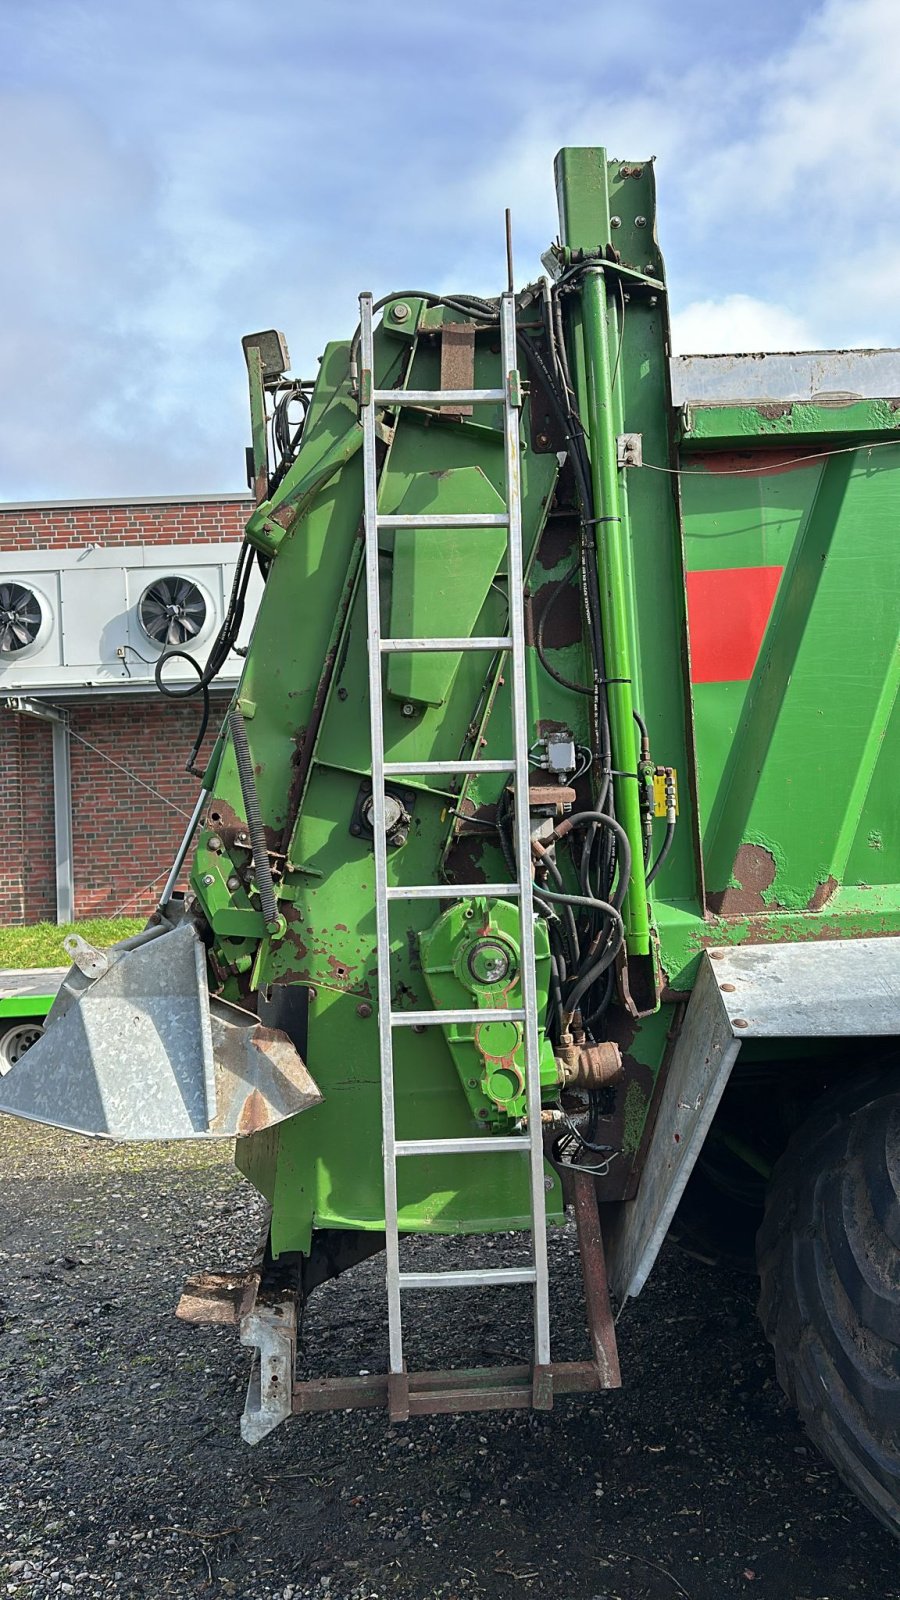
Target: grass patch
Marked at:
40, 945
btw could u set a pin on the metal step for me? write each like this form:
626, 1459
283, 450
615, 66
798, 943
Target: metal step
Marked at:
426, 1019
455, 891
468, 1278
487, 1143
495, 641
450, 519
408, 769
438, 397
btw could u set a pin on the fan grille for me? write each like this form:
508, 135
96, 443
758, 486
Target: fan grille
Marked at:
21, 616
172, 611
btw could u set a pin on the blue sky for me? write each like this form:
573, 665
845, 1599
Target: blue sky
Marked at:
177, 174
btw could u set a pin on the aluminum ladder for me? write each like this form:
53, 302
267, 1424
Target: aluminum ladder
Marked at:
514, 1146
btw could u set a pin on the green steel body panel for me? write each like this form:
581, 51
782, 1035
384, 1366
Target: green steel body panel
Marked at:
788, 825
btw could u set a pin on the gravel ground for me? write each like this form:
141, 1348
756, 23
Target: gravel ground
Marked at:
122, 1471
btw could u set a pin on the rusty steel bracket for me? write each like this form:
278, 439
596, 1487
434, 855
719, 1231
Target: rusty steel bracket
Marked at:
224, 1297
601, 1325
441, 1393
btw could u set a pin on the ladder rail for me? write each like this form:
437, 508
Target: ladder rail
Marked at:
379, 839
528, 976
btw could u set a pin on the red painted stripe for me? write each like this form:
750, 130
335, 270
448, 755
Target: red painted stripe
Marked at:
728, 612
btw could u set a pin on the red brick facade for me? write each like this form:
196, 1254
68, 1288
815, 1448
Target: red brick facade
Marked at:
151, 522
124, 837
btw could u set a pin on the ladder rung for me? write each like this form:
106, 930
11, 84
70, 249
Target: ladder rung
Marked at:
492, 1276
496, 641
462, 1147
438, 397
399, 769
419, 1019
454, 891
450, 519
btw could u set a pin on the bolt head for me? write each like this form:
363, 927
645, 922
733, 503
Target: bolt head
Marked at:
548, 1184
408, 709
615, 222
364, 1009
234, 883
640, 222
400, 312
207, 880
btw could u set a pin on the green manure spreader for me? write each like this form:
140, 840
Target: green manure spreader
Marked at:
547, 860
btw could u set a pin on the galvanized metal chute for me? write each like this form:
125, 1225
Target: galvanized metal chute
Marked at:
135, 1048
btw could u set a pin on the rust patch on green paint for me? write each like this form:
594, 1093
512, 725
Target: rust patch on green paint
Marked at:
821, 894
752, 874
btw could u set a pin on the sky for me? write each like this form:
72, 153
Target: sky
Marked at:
177, 173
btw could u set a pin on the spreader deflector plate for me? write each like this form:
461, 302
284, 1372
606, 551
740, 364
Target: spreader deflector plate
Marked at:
140, 1052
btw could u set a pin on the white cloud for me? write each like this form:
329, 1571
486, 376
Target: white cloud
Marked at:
778, 185
188, 171
737, 323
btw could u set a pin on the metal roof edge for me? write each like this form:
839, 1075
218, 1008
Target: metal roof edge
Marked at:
241, 496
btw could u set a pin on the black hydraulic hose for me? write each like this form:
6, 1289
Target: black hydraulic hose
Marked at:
603, 906
556, 981
604, 1001
218, 652
664, 849
546, 860
558, 677
469, 305
173, 693
604, 820
590, 977
261, 866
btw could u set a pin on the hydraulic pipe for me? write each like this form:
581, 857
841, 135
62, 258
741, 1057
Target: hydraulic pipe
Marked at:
614, 561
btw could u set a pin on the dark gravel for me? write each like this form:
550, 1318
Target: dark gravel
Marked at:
122, 1471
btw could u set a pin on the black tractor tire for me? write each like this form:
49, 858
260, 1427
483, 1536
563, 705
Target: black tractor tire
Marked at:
828, 1254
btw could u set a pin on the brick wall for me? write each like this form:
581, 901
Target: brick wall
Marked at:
124, 837
27, 863
148, 522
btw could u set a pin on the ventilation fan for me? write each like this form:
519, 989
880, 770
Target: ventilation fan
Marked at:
21, 618
172, 611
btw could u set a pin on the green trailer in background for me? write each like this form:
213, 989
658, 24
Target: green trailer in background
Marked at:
26, 995
548, 858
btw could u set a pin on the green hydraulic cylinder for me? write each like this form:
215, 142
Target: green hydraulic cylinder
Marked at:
614, 561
